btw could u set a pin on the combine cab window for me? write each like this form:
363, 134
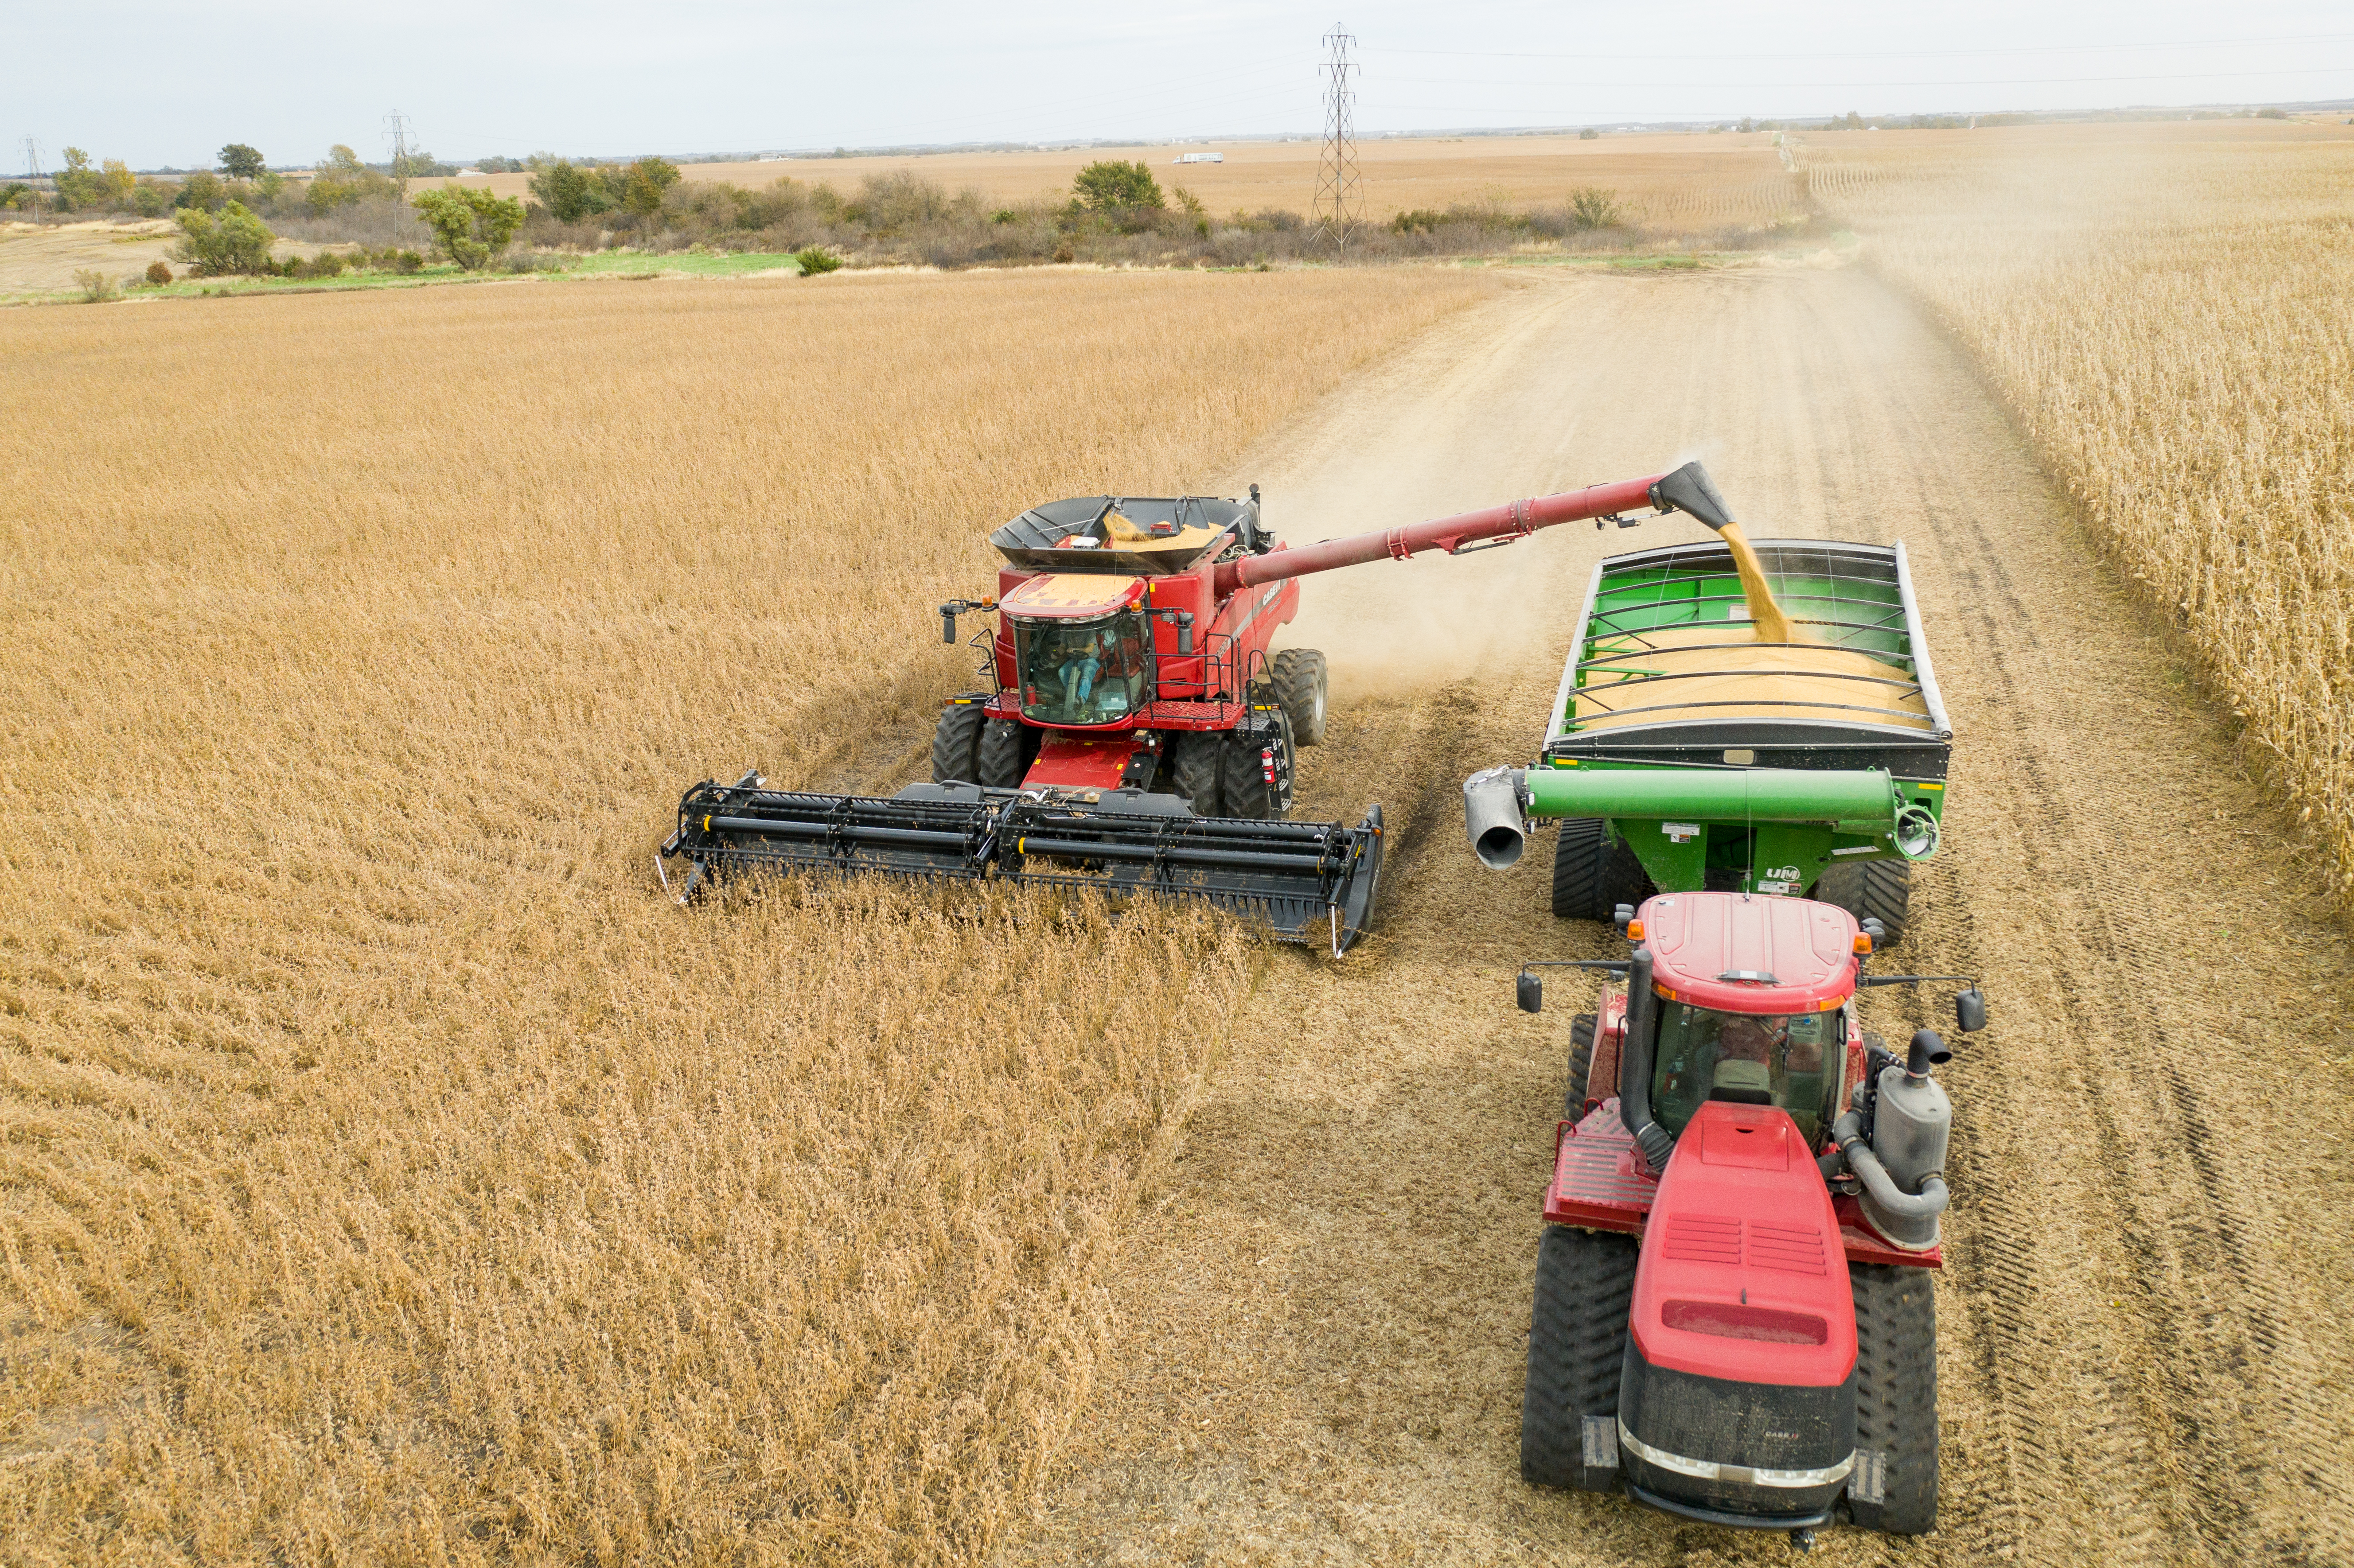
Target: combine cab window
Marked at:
1086, 672
1789, 1061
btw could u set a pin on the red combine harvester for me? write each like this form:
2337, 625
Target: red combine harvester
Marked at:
1733, 1320
1139, 735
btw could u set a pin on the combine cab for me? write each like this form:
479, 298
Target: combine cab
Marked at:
1733, 1320
1139, 734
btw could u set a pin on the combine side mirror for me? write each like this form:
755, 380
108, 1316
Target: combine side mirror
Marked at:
1529, 993
1969, 1010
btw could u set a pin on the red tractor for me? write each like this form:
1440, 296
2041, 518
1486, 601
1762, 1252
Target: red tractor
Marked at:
1138, 735
1733, 1320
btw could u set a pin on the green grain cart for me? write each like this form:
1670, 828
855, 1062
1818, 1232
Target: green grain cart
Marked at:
1684, 753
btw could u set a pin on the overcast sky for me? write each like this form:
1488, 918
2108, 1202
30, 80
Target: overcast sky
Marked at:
168, 83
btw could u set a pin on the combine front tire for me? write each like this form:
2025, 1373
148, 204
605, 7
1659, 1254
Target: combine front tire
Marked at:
1249, 791
1578, 1343
1005, 755
1193, 767
1894, 1487
1302, 687
1592, 876
1873, 889
956, 744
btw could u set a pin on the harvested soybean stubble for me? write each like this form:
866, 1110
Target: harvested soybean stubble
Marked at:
2169, 310
389, 1174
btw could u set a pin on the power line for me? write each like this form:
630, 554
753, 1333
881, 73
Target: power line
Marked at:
1654, 55
1935, 81
1339, 197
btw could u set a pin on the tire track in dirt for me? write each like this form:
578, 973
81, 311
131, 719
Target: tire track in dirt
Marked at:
2143, 1354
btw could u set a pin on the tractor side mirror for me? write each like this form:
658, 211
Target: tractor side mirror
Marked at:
1871, 927
1529, 993
1969, 1010
1621, 915
947, 625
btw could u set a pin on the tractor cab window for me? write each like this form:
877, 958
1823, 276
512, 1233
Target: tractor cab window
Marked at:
1786, 1059
1084, 672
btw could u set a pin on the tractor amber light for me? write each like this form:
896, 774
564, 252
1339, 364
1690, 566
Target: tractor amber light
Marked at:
1634, 930
1862, 943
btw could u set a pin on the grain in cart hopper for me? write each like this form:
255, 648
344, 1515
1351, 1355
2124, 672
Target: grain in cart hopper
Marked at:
1138, 733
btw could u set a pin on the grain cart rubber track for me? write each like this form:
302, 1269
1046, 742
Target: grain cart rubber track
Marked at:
1307, 882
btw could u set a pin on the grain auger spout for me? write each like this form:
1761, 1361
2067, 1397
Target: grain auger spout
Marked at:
1138, 731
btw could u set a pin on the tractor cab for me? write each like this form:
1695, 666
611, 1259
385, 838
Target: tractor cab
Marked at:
1750, 1005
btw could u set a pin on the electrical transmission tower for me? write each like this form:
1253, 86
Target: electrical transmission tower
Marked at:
1340, 198
396, 131
33, 174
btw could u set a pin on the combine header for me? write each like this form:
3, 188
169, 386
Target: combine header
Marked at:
1139, 734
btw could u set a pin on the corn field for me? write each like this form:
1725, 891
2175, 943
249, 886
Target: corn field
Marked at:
2169, 310
390, 1173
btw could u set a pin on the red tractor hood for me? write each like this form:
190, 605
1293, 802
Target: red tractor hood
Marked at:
1742, 1275
1699, 941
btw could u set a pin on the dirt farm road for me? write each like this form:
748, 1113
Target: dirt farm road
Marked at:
2146, 1354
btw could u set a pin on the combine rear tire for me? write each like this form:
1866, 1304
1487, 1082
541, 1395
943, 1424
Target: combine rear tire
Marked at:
1249, 792
1874, 889
1193, 767
1302, 687
1591, 874
956, 744
1581, 1064
1894, 1487
1005, 753
1578, 1343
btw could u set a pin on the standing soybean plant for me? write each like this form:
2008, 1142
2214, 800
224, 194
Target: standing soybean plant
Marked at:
469, 225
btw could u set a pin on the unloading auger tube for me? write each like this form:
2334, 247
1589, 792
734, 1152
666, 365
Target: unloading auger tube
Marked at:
1306, 881
1498, 802
1686, 488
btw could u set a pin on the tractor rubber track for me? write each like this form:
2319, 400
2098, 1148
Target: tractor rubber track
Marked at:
2144, 1351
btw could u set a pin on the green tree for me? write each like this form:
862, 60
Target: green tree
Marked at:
1591, 206
642, 187
1111, 186
239, 162
342, 179
78, 185
469, 225
236, 242
569, 194
202, 191
119, 179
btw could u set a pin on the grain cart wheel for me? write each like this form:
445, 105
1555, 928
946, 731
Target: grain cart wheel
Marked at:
1591, 874
1894, 1487
1193, 767
1302, 687
1577, 1341
1581, 1064
1872, 889
956, 744
1249, 793
1006, 751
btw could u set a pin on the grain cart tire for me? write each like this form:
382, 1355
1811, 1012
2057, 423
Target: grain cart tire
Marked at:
1873, 889
1249, 792
1193, 767
1894, 1487
1005, 753
1581, 1064
1577, 1341
956, 744
1301, 686
1591, 874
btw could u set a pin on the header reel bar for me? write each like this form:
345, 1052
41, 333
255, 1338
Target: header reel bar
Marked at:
1296, 879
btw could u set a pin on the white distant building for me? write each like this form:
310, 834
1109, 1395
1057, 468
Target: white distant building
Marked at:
1198, 158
